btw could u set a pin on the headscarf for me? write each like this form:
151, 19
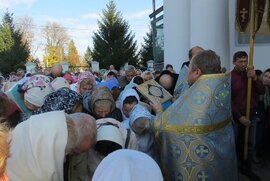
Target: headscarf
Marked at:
110, 83
128, 144
85, 75
100, 93
124, 95
36, 88
59, 82
38, 148
146, 139
63, 99
127, 165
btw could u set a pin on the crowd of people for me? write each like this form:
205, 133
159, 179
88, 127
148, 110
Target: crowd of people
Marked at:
59, 125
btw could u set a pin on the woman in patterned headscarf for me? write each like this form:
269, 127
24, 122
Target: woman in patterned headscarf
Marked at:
63, 99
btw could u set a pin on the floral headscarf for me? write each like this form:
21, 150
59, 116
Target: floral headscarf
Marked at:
63, 99
36, 81
36, 88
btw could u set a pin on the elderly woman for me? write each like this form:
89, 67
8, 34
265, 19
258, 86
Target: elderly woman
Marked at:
39, 145
101, 104
64, 99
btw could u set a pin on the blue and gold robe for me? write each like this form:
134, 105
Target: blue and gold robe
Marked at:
195, 139
181, 84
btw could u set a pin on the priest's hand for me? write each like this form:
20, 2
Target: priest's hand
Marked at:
156, 106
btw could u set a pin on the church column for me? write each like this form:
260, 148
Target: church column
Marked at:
176, 32
210, 27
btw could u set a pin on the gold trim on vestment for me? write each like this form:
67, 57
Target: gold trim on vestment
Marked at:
202, 129
207, 76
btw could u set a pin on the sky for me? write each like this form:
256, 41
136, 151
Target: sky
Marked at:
79, 17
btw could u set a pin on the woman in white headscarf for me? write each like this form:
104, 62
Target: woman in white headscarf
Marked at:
128, 98
127, 165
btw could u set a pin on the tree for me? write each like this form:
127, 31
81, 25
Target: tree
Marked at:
51, 57
88, 55
14, 52
25, 26
147, 48
56, 38
73, 57
113, 43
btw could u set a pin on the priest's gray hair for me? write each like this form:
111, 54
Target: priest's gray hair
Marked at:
207, 61
80, 126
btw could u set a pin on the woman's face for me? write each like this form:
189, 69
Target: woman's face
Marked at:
85, 88
127, 108
102, 111
266, 79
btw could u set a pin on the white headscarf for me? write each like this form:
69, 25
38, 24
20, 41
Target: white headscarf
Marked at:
127, 165
132, 143
146, 139
38, 148
59, 82
123, 96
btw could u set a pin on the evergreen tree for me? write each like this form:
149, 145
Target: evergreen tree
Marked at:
113, 43
13, 51
73, 57
88, 55
147, 49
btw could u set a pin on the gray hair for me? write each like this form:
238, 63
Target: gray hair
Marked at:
207, 61
130, 68
80, 126
147, 74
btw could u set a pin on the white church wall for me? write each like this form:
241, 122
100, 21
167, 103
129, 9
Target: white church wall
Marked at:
210, 24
